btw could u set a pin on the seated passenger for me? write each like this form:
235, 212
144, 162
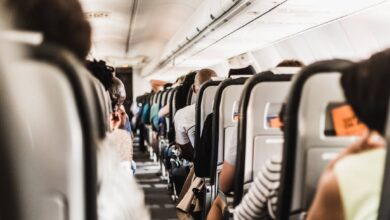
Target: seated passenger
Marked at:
350, 186
184, 119
226, 177
119, 121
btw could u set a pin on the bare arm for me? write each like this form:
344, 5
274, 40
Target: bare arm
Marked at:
226, 177
327, 203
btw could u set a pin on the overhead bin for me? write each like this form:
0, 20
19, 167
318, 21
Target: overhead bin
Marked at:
208, 17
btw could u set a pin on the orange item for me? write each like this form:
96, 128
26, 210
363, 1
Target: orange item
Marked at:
276, 123
157, 84
346, 123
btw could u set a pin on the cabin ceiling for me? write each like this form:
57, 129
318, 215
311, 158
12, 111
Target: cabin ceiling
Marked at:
134, 32
145, 33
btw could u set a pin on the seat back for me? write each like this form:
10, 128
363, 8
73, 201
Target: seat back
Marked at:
167, 100
183, 91
155, 97
164, 97
203, 108
56, 102
191, 97
15, 161
172, 112
307, 149
257, 140
228, 94
102, 105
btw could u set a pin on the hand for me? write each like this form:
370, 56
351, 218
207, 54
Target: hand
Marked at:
118, 119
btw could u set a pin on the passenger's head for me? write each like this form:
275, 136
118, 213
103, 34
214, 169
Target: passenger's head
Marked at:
202, 76
62, 22
117, 93
101, 71
366, 87
167, 85
290, 63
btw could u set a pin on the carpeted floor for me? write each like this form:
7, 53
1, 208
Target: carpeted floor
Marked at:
156, 193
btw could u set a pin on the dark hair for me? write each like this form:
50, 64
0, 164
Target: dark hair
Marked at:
62, 22
101, 71
168, 85
366, 87
290, 63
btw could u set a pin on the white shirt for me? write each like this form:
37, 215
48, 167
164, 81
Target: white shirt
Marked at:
119, 197
185, 125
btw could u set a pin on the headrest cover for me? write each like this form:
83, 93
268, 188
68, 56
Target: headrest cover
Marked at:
249, 70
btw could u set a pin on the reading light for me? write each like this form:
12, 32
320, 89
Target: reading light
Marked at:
97, 14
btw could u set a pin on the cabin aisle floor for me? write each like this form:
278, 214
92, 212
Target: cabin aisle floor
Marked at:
156, 193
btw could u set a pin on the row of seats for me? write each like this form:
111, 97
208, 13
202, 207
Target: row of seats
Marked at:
55, 118
251, 106
159, 132
235, 101
306, 151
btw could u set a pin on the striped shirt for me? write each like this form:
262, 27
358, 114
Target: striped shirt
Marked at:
261, 200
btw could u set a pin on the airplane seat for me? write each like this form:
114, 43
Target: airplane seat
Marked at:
183, 90
228, 94
258, 138
15, 162
308, 146
164, 97
203, 108
166, 102
384, 210
203, 114
226, 97
172, 112
191, 97
85, 95
146, 120
56, 104
102, 103
162, 122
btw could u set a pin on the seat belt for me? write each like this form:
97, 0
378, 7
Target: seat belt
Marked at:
384, 205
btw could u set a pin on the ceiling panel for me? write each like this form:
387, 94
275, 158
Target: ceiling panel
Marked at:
154, 23
109, 33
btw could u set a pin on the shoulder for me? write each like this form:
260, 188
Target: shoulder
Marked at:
358, 161
186, 112
327, 201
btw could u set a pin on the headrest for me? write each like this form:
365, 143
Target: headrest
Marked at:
249, 70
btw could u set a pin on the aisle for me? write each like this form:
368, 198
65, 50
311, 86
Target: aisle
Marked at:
156, 193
